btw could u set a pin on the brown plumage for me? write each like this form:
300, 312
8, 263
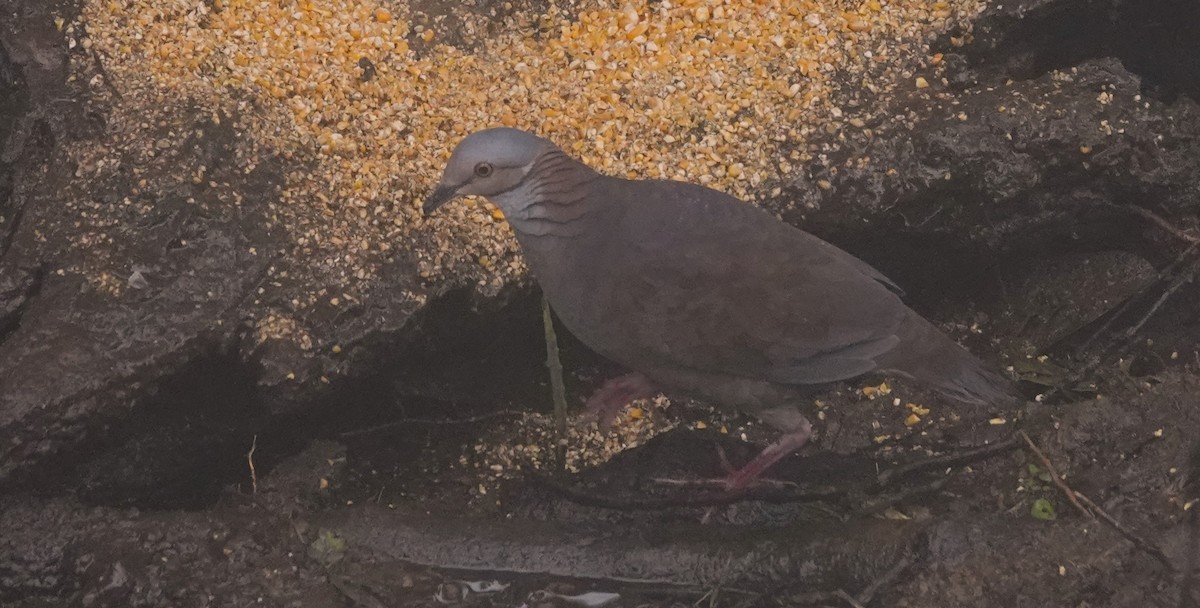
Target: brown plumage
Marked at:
703, 293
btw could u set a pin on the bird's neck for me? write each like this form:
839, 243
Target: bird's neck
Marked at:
557, 198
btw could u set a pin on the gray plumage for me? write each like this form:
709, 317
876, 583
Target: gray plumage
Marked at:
701, 292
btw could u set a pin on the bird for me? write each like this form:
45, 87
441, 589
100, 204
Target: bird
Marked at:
701, 294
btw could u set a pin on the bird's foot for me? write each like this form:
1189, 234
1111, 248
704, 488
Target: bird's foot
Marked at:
788, 443
606, 403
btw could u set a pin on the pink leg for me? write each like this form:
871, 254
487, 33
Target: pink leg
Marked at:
788, 443
607, 401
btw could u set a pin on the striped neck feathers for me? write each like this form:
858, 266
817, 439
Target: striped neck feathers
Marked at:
555, 198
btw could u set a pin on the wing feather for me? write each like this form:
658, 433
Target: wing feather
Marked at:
709, 283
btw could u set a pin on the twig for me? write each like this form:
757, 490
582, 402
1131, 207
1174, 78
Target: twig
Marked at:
707, 499
1166, 273
1183, 278
775, 484
846, 597
1162, 223
1093, 511
970, 455
882, 480
1138, 541
557, 390
1104, 327
774, 491
435, 421
1055, 477
250, 461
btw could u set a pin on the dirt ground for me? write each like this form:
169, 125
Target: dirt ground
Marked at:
154, 454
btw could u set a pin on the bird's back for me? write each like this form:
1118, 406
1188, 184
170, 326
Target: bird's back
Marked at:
685, 275
675, 276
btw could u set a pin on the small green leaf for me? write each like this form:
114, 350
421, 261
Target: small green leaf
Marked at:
1034, 469
1040, 372
1043, 509
329, 548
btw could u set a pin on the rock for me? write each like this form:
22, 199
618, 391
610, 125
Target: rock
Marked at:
1031, 168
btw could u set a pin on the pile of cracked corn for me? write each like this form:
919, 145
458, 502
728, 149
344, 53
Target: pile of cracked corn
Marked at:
367, 98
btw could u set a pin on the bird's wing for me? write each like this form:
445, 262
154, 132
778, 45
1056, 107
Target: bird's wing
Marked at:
709, 283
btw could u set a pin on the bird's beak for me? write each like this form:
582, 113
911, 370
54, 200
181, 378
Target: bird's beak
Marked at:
441, 195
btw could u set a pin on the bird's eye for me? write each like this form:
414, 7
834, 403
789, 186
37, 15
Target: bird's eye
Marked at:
483, 169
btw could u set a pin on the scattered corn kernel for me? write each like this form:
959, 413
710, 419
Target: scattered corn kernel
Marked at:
918, 410
872, 392
602, 78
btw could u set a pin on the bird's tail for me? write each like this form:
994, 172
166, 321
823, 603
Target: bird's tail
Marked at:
929, 356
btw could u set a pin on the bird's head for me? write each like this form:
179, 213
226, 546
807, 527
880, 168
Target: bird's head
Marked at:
487, 163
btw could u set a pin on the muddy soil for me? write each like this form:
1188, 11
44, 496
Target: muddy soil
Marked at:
150, 456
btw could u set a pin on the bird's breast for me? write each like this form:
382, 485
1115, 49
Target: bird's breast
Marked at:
578, 283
